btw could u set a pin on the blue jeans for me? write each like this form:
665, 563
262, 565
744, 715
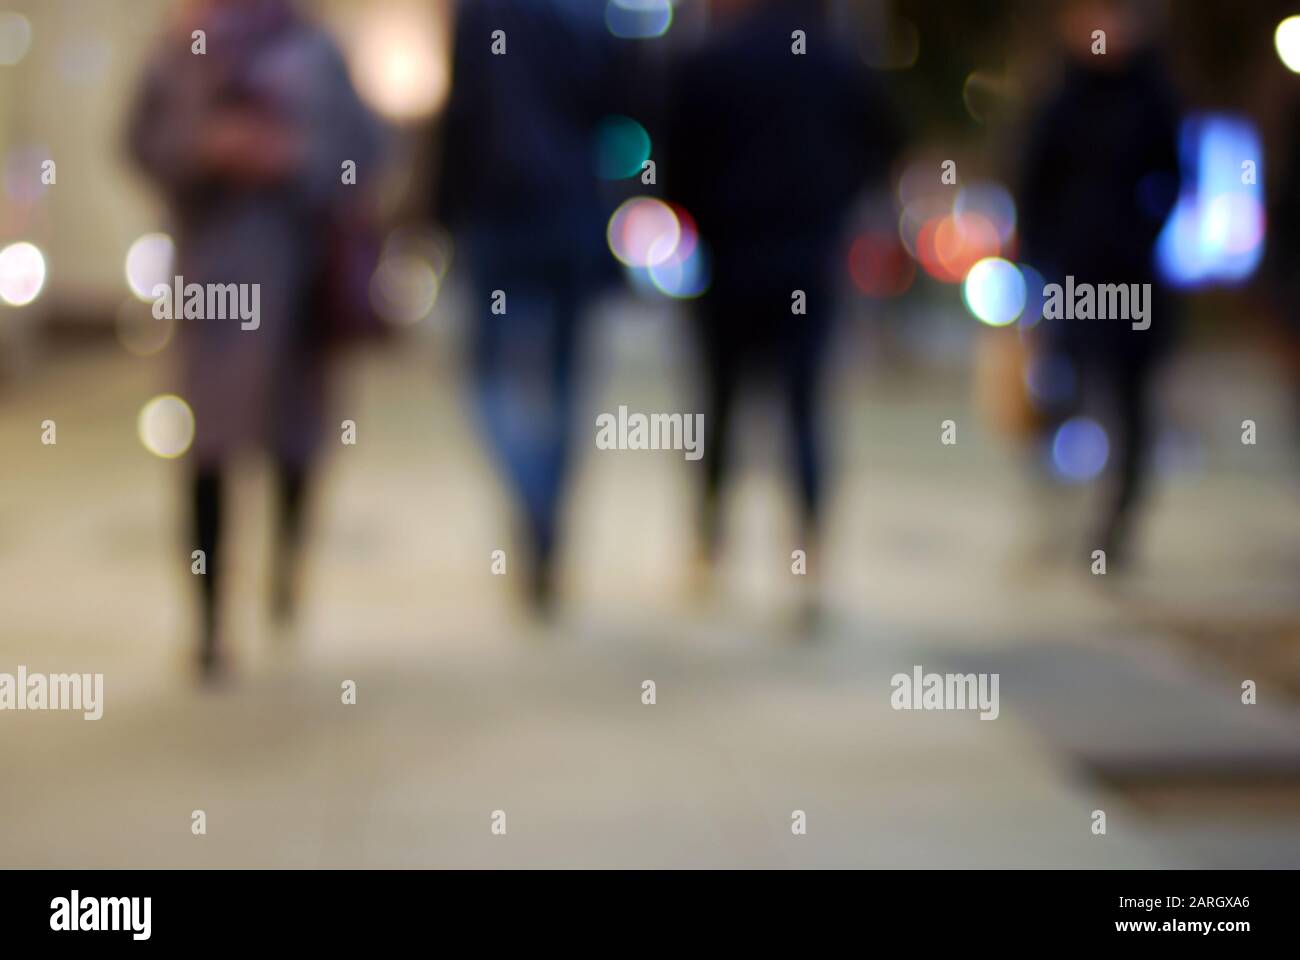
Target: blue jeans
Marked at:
524, 390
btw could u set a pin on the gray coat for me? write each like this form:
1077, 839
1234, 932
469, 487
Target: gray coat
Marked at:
266, 386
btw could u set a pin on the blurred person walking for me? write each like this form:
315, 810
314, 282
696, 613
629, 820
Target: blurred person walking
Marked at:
1282, 275
1100, 177
770, 141
246, 138
518, 189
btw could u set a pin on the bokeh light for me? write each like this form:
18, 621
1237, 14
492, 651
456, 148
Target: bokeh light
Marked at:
404, 288
1215, 233
948, 231
683, 275
1079, 450
879, 265
149, 263
962, 240
408, 278
682, 279
638, 19
993, 202
947, 247
917, 181
166, 426
1035, 297
398, 53
915, 214
139, 332
622, 146
22, 273
15, 37
23, 167
1286, 39
643, 232
686, 274
987, 95
994, 291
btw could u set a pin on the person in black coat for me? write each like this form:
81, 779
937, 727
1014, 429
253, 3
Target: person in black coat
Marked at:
772, 134
1100, 178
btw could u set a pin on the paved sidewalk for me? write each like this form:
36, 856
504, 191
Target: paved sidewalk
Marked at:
464, 707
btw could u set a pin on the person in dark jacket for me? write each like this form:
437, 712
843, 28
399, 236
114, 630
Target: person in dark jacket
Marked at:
774, 129
1099, 180
531, 80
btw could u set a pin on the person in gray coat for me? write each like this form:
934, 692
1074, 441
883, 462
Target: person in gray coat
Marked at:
246, 128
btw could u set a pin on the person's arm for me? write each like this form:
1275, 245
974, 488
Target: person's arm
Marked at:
162, 136
178, 140
248, 146
333, 126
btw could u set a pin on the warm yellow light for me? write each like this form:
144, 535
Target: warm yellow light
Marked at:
399, 60
1287, 41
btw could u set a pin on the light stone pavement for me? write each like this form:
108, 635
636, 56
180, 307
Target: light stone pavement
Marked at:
464, 706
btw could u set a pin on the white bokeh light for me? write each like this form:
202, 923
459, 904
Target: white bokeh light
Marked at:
995, 292
148, 263
15, 37
166, 426
22, 274
643, 232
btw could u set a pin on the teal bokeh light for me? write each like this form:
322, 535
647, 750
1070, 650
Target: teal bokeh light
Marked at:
622, 146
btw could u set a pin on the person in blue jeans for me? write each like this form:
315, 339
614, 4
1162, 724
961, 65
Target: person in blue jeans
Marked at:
518, 188
522, 365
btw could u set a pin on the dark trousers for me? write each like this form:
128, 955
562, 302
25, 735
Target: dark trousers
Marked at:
746, 339
1116, 388
208, 513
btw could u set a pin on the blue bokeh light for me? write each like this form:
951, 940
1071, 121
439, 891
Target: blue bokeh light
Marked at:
1215, 233
638, 19
1080, 450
